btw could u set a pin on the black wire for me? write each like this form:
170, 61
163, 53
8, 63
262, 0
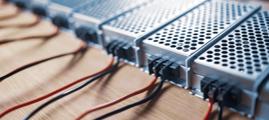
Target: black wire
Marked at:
151, 96
34, 112
220, 111
4, 77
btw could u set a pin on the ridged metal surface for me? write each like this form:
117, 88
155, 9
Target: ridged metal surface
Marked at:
151, 15
189, 33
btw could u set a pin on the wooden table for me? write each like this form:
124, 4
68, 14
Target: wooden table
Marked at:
173, 103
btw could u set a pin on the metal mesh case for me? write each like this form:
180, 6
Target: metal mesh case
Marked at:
99, 11
190, 33
242, 56
65, 7
40, 2
142, 21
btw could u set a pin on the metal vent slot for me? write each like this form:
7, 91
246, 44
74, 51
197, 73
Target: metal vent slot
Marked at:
244, 52
192, 31
152, 15
70, 3
103, 9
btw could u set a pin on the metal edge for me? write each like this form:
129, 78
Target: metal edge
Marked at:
257, 89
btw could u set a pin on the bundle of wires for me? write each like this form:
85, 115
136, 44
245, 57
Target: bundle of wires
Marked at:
113, 102
81, 48
43, 97
11, 14
148, 98
55, 32
158, 68
62, 95
37, 20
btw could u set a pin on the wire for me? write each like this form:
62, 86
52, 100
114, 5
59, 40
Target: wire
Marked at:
19, 69
5, 41
16, 12
38, 99
105, 105
151, 96
220, 110
210, 108
36, 21
110, 70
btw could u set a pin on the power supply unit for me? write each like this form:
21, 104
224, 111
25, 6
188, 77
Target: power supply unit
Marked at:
93, 15
141, 22
61, 11
188, 37
242, 57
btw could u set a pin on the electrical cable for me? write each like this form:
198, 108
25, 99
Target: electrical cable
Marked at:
220, 110
110, 70
151, 96
113, 102
24, 38
16, 12
210, 108
38, 99
19, 69
36, 21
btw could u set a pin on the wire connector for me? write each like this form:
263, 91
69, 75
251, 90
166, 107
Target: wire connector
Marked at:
120, 49
219, 91
87, 34
165, 68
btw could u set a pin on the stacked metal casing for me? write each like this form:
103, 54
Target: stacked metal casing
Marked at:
242, 56
145, 20
191, 35
42, 3
63, 10
187, 35
88, 15
98, 13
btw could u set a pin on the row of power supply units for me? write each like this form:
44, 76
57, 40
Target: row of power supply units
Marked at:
218, 49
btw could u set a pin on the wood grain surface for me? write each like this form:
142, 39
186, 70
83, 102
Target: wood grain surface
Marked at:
173, 104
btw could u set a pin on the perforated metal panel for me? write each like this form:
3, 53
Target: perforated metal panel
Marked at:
243, 53
189, 33
65, 7
152, 15
70, 3
104, 9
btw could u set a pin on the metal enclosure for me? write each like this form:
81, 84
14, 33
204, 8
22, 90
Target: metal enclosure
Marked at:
188, 34
242, 56
65, 7
146, 19
98, 12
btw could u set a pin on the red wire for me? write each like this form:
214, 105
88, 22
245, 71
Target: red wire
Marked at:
80, 49
105, 105
38, 99
10, 16
37, 20
210, 107
4, 41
